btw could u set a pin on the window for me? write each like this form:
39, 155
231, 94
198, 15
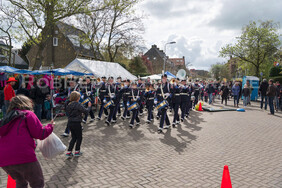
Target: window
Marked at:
55, 41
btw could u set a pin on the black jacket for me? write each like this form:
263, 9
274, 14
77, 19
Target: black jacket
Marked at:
23, 91
246, 92
225, 90
263, 88
75, 110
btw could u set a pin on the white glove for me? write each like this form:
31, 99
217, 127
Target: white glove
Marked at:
89, 92
55, 95
104, 101
167, 94
155, 102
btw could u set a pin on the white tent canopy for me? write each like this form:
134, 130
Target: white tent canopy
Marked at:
100, 68
153, 77
156, 77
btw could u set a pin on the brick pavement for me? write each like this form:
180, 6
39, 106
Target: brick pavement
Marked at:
191, 155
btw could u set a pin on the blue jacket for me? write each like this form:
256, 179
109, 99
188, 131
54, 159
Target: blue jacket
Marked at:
236, 90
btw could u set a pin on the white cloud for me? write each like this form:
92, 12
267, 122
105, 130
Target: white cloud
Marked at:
202, 27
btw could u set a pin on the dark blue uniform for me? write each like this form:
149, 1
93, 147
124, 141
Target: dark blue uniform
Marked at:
111, 95
88, 92
149, 97
102, 94
176, 101
160, 98
134, 97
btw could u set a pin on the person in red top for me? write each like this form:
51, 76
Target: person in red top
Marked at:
9, 92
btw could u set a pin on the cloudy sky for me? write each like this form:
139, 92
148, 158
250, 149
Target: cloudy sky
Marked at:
201, 27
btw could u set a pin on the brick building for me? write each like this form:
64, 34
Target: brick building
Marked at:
178, 63
154, 60
65, 47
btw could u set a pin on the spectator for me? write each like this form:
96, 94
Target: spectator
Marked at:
75, 111
210, 90
277, 103
250, 87
17, 146
38, 94
23, 91
271, 93
262, 89
246, 95
9, 92
236, 94
224, 91
3, 108
48, 107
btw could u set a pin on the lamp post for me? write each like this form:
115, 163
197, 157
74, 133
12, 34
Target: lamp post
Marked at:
173, 42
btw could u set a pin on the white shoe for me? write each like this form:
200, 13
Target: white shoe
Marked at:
148, 121
98, 118
167, 127
130, 126
65, 135
127, 117
114, 121
83, 121
91, 120
137, 123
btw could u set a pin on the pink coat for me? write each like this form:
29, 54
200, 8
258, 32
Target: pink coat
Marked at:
17, 145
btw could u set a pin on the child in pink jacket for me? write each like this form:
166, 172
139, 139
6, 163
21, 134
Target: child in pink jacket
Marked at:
18, 130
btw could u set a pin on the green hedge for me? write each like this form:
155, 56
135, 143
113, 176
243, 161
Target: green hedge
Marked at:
276, 78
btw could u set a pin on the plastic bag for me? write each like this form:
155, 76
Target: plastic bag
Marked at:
51, 146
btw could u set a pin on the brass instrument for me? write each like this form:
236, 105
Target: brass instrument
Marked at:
173, 80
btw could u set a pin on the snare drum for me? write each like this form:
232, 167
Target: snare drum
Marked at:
133, 106
162, 105
108, 104
85, 101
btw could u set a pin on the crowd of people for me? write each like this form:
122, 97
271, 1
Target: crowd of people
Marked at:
100, 99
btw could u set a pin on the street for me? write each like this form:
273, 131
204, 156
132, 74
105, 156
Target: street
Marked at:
191, 155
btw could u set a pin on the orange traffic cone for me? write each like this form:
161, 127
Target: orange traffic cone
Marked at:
200, 107
226, 180
11, 183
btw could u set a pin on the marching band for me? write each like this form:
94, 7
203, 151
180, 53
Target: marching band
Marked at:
133, 97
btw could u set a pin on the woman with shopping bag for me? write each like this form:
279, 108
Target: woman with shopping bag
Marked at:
18, 130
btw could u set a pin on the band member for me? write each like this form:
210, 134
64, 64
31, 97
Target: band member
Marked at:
141, 88
88, 92
119, 96
102, 93
150, 95
134, 99
125, 95
111, 97
185, 95
176, 101
73, 86
163, 94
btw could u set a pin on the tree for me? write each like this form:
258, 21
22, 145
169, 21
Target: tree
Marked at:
37, 19
7, 23
220, 71
114, 30
275, 71
256, 45
137, 67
